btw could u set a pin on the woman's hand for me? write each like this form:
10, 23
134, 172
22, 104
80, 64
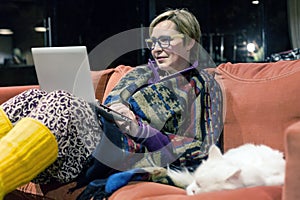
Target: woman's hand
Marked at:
129, 127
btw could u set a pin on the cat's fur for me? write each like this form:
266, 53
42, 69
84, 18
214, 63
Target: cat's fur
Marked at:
245, 166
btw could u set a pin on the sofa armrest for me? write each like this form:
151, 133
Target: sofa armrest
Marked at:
292, 153
11, 91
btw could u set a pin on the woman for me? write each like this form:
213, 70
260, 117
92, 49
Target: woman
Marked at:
174, 120
174, 44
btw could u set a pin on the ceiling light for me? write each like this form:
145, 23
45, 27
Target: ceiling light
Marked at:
255, 2
251, 47
6, 31
40, 29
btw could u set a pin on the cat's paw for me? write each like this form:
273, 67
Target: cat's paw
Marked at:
193, 188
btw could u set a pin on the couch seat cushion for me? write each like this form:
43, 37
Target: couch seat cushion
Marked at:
145, 190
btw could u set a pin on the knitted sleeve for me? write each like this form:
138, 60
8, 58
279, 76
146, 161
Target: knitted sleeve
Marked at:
151, 138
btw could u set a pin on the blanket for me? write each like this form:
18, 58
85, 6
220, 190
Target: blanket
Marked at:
186, 106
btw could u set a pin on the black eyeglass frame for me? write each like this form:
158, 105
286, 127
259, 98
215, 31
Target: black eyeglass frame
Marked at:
163, 41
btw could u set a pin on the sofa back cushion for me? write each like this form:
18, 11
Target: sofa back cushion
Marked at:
10, 91
260, 101
105, 80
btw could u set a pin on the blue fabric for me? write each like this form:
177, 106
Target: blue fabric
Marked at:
101, 188
119, 180
94, 190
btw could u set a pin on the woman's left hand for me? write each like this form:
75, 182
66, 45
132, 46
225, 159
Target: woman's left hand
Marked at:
129, 127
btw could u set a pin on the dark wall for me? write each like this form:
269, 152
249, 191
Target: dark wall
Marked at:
81, 22
88, 23
240, 20
18, 75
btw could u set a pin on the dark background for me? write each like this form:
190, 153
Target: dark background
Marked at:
89, 22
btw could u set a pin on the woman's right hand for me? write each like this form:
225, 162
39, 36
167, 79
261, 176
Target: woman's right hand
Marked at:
129, 127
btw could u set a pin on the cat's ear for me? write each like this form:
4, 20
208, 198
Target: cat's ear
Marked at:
234, 176
214, 152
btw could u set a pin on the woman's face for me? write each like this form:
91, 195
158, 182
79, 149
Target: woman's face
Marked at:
176, 56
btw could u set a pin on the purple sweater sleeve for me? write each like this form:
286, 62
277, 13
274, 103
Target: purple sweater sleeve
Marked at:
151, 138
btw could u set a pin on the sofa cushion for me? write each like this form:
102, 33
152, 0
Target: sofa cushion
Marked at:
292, 148
260, 101
11, 91
143, 191
105, 80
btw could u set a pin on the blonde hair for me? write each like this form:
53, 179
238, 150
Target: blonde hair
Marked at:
186, 23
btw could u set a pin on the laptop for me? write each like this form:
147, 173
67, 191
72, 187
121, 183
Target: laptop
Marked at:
64, 68
67, 68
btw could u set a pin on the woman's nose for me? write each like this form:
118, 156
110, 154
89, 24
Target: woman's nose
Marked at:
156, 46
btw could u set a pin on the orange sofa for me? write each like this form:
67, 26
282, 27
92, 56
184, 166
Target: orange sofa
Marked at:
262, 106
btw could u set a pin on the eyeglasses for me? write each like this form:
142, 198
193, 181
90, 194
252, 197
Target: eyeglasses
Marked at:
163, 41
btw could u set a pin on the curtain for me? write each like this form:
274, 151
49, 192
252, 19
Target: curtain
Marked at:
293, 7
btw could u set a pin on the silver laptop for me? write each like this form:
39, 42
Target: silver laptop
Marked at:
64, 68
67, 68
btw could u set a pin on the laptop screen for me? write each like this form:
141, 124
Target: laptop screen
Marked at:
64, 68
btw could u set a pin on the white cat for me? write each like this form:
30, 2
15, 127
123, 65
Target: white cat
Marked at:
245, 166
